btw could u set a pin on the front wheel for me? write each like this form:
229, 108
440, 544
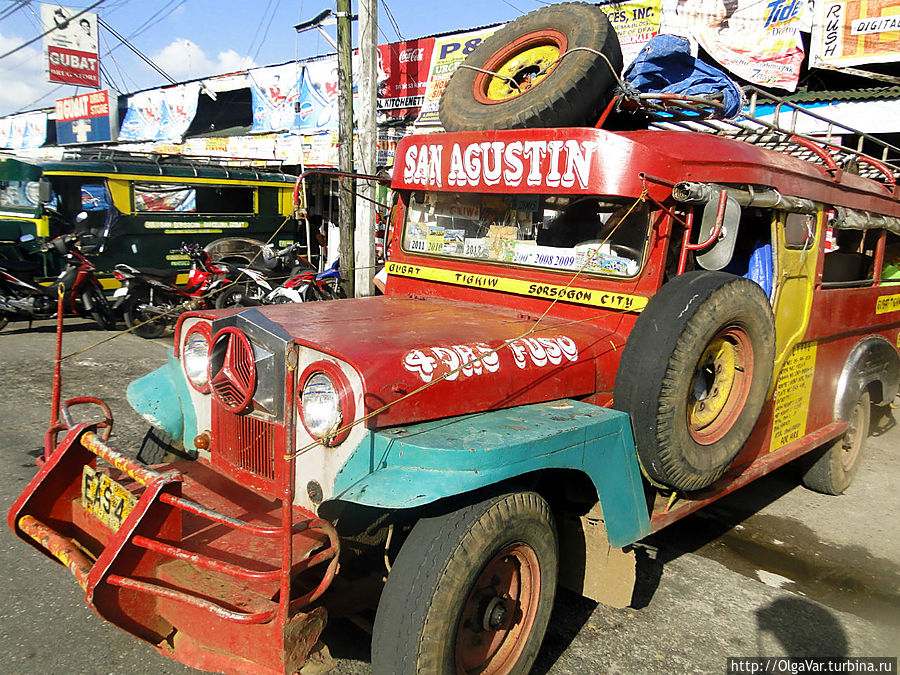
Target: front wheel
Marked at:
471, 591
143, 317
98, 307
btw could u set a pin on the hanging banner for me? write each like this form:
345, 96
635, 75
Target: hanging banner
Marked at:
275, 92
160, 114
70, 46
23, 132
448, 52
88, 118
757, 41
855, 32
635, 22
323, 78
403, 69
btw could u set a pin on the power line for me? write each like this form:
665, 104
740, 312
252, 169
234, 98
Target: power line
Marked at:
262, 18
47, 32
12, 9
393, 20
266, 32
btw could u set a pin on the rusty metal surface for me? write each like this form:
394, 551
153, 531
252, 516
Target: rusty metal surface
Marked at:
61, 548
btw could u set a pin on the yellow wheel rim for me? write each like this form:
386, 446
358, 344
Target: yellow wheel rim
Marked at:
713, 382
526, 69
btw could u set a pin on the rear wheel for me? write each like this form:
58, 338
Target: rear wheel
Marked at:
837, 463
143, 317
550, 68
471, 591
239, 295
98, 307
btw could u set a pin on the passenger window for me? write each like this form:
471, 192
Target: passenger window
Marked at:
193, 199
890, 270
752, 257
850, 255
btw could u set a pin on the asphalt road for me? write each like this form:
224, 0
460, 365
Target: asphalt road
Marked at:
772, 570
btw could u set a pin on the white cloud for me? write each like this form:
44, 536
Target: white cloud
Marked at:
183, 59
23, 78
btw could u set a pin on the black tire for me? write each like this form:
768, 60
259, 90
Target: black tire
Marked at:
155, 446
238, 295
442, 594
97, 306
141, 322
573, 93
834, 467
694, 376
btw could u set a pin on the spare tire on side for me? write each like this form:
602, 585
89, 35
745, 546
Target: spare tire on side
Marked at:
694, 376
548, 91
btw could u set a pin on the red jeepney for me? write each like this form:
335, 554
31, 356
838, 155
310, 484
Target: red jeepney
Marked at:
585, 336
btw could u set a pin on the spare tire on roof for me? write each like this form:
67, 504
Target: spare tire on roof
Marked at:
694, 376
539, 88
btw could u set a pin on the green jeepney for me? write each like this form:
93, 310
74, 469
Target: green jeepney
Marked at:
139, 208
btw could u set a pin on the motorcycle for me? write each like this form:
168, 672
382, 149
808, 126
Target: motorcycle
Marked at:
306, 285
150, 300
22, 298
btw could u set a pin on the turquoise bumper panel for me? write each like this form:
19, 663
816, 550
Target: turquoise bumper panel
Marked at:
409, 466
162, 398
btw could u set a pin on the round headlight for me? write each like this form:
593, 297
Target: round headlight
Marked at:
195, 356
321, 406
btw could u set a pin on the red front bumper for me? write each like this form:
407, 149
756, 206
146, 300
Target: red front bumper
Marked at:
208, 571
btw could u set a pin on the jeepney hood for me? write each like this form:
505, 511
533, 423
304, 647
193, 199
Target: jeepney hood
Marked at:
432, 358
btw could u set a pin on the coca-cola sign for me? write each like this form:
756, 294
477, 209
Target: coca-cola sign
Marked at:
403, 69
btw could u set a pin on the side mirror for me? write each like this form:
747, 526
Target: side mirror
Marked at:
719, 253
45, 191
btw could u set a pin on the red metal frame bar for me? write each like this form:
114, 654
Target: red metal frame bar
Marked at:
203, 561
188, 599
335, 174
59, 547
687, 246
822, 154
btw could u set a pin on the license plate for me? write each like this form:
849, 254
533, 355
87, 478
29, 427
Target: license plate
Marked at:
103, 497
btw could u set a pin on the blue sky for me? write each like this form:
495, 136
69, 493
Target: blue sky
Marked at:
195, 38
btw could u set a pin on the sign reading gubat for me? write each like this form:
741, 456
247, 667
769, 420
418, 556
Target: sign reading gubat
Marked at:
70, 46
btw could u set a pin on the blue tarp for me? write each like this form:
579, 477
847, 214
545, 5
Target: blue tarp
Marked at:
665, 65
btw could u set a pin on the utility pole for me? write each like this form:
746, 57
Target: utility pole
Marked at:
368, 134
347, 194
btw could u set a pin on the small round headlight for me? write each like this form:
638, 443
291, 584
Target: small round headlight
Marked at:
321, 406
195, 356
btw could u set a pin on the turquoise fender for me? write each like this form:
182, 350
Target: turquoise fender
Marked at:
162, 398
409, 466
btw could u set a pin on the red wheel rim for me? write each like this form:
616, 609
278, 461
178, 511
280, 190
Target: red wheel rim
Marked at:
528, 74
499, 612
720, 385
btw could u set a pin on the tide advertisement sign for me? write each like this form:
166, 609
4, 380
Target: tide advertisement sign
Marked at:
70, 46
89, 118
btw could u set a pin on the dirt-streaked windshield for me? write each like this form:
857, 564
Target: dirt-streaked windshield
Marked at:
598, 235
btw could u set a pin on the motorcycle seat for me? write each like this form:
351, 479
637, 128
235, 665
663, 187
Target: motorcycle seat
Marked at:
164, 275
21, 266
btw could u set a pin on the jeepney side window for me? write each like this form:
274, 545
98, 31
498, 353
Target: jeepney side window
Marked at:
598, 235
890, 269
181, 198
849, 251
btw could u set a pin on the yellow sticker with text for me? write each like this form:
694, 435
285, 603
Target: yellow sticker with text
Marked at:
574, 294
887, 303
792, 394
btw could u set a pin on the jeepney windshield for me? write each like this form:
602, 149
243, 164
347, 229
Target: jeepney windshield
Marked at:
598, 235
19, 194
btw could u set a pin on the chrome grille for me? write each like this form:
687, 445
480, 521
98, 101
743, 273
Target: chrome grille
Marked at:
245, 443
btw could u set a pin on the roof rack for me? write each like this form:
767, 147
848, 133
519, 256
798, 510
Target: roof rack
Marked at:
161, 161
779, 127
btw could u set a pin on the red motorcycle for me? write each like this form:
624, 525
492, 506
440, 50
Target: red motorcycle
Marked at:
151, 301
22, 298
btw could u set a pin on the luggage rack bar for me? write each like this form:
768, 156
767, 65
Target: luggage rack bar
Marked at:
117, 159
707, 115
